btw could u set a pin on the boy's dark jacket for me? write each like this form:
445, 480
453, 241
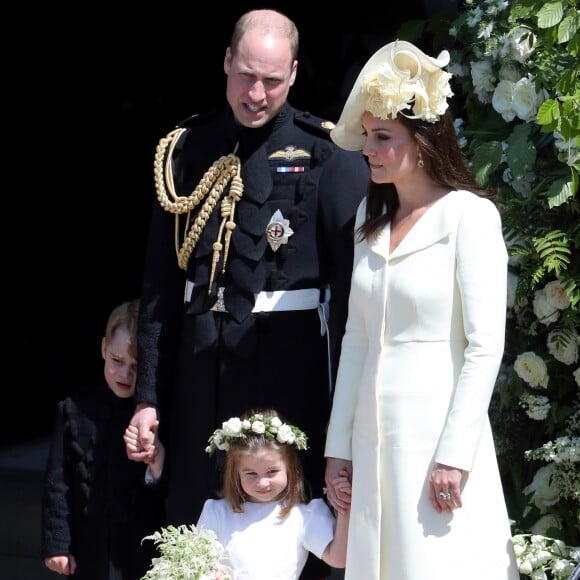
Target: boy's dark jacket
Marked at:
96, 504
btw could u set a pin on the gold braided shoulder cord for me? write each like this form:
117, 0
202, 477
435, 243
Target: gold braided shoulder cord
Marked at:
211, 187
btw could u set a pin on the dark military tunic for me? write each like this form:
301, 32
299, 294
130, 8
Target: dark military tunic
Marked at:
202, 367
95, 504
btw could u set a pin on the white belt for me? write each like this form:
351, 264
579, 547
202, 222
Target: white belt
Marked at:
276, 300
279, 300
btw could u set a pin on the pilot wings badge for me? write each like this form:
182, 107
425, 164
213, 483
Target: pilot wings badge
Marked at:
278, 230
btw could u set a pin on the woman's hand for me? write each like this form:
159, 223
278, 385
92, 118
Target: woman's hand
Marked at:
445, 488
337, 494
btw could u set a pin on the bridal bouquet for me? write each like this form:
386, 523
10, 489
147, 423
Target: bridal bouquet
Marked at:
188, 553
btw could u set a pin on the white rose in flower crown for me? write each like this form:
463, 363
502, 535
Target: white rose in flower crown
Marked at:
532, 369
565, 351
232, 427
545, 312
275, 422
526, 100
285, 434
522, 44
258, 427
544, 488
556, 295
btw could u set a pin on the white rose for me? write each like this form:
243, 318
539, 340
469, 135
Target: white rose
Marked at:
522, 43
526, 100
275, 422
545, 312
246, 424
285, 434
577, 376
532, 369
544, 488
565, 351
258, 427
221, 443
232, 427
502, 100
556, 295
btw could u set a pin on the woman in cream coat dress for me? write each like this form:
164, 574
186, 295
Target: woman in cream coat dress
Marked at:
423, 342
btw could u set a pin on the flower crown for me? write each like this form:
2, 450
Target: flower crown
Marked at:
270, 426
406, 79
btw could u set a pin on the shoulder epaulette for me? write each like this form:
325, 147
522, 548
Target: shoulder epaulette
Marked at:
312, 121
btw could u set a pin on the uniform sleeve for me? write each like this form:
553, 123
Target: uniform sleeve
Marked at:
482, 281
56, 513
319, 525
342, 187
160, 313
353, 353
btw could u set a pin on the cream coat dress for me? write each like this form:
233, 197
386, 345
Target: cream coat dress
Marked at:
420, 356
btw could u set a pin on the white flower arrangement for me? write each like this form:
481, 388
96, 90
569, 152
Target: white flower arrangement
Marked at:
405, 82
188, 553
537, 555
268, 425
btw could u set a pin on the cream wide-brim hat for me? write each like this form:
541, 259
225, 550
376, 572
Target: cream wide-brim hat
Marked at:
348, 132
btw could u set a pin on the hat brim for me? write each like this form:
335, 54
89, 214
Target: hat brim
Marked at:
348, 132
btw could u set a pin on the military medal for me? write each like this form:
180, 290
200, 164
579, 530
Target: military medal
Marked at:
278, 230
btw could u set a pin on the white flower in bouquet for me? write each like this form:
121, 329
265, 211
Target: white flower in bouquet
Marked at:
532, 369
188, 553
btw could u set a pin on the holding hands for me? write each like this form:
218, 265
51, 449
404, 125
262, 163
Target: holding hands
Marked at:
338, 479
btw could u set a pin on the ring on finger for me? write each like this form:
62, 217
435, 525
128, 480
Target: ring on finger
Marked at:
445, 495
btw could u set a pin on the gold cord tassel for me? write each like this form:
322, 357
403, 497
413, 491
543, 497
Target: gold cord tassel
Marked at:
209, 190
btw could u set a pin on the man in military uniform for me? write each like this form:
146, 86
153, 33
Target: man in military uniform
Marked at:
248, 266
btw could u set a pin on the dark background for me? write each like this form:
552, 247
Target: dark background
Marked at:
88, 91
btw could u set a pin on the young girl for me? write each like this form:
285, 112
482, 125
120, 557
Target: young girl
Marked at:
96, 507
264, 519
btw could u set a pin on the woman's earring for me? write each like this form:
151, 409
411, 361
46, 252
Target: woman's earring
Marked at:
420, 162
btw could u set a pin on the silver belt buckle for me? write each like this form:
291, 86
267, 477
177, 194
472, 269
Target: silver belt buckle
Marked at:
219, 306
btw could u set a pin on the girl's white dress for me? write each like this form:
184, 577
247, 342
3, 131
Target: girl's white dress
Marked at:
261, 546
420, 356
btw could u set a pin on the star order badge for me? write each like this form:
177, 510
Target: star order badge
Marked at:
278, 230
